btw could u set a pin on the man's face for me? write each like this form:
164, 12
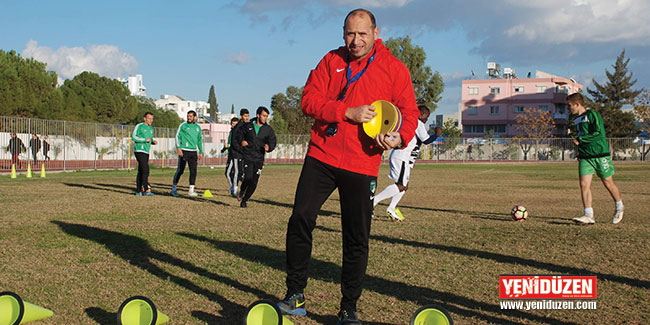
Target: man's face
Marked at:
190, 118
573, 107
233, 123
13, 135
262, 117
148, 119
245, 117
424, 116
359, 36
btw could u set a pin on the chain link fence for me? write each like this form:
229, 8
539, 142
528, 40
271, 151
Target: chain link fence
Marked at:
64, 145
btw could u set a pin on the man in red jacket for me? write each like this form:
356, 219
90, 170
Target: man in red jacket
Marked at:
338, 94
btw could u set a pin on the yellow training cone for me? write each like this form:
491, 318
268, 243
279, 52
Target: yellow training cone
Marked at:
29, 171
13, 171
207, 193
265, 312
388, 119
431, 315
14, 311
139, 310
43, 170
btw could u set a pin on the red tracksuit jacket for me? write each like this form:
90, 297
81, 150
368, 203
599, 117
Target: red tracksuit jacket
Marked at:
386, 78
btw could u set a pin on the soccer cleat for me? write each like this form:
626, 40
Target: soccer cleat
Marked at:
294, 304
395, 214
192, 194
175, 193
138, 194
243, 204
587, 220
618, 216
347, 317
148, 193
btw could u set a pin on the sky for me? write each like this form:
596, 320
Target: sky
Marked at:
250, 50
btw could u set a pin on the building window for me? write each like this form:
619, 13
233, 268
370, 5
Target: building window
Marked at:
519, 109
473, 90
560, 108
494, 110
541, 89
472, 110
499, 128
519, 89
495, 90
473, 128
543, 107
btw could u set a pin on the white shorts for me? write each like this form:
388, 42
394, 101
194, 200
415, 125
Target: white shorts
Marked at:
400, 171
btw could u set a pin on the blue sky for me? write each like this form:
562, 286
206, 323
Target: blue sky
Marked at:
250, 50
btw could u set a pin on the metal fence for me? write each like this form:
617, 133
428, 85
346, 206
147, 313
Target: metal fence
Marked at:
65, 145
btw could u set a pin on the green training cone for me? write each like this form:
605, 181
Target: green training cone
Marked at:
14, 311
431, 315
265, 312
139, 310
388, 119
207, 193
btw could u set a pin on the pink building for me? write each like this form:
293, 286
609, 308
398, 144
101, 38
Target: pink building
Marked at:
492, 104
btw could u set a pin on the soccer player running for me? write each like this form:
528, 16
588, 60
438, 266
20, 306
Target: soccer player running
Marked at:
189, 142
338, 95
593, 156
143, 137
231, 168
236, 151
256, 138
401, 162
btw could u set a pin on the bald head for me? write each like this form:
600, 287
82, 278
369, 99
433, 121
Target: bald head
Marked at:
361, 13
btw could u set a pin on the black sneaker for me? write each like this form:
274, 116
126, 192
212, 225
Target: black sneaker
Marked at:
348, 317
242, 204
294, 304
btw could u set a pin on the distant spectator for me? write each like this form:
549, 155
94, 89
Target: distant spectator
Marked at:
15, 147
46, 148
469, 151
35, 145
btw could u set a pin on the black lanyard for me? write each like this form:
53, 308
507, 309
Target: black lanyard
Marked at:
356, 77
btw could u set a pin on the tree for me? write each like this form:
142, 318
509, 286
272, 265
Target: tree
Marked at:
90, 97
532, 126
288, 108
214, 107
428, 85
642, 110
163, 118
26, 88
278, 124
452, 134
609, 98
232, 109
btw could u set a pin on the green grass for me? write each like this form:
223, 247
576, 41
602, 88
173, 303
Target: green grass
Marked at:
80, 243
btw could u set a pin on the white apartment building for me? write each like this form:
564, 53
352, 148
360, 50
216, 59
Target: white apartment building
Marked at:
135, 85
181, 105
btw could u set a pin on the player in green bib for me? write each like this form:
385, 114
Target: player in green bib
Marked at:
593, 157
143, 138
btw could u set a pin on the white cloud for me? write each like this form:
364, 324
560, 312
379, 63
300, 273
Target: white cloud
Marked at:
238, 58
373, 3
67, 62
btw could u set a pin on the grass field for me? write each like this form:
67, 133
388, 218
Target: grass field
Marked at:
80, 243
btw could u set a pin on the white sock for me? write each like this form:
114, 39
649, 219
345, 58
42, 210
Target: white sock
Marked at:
389, 191
619, 205
395, 200
589, 212
191, 189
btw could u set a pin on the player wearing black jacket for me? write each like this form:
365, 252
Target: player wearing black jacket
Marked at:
256, 138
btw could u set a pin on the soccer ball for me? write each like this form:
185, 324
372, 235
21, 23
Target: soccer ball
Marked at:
519, 213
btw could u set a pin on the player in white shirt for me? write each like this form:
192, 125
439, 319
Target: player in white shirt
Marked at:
401, 162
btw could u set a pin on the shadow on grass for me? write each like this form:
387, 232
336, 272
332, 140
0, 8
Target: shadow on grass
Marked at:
129, 190
101, 316
501, 258
290, 206
327, 271
139, 253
